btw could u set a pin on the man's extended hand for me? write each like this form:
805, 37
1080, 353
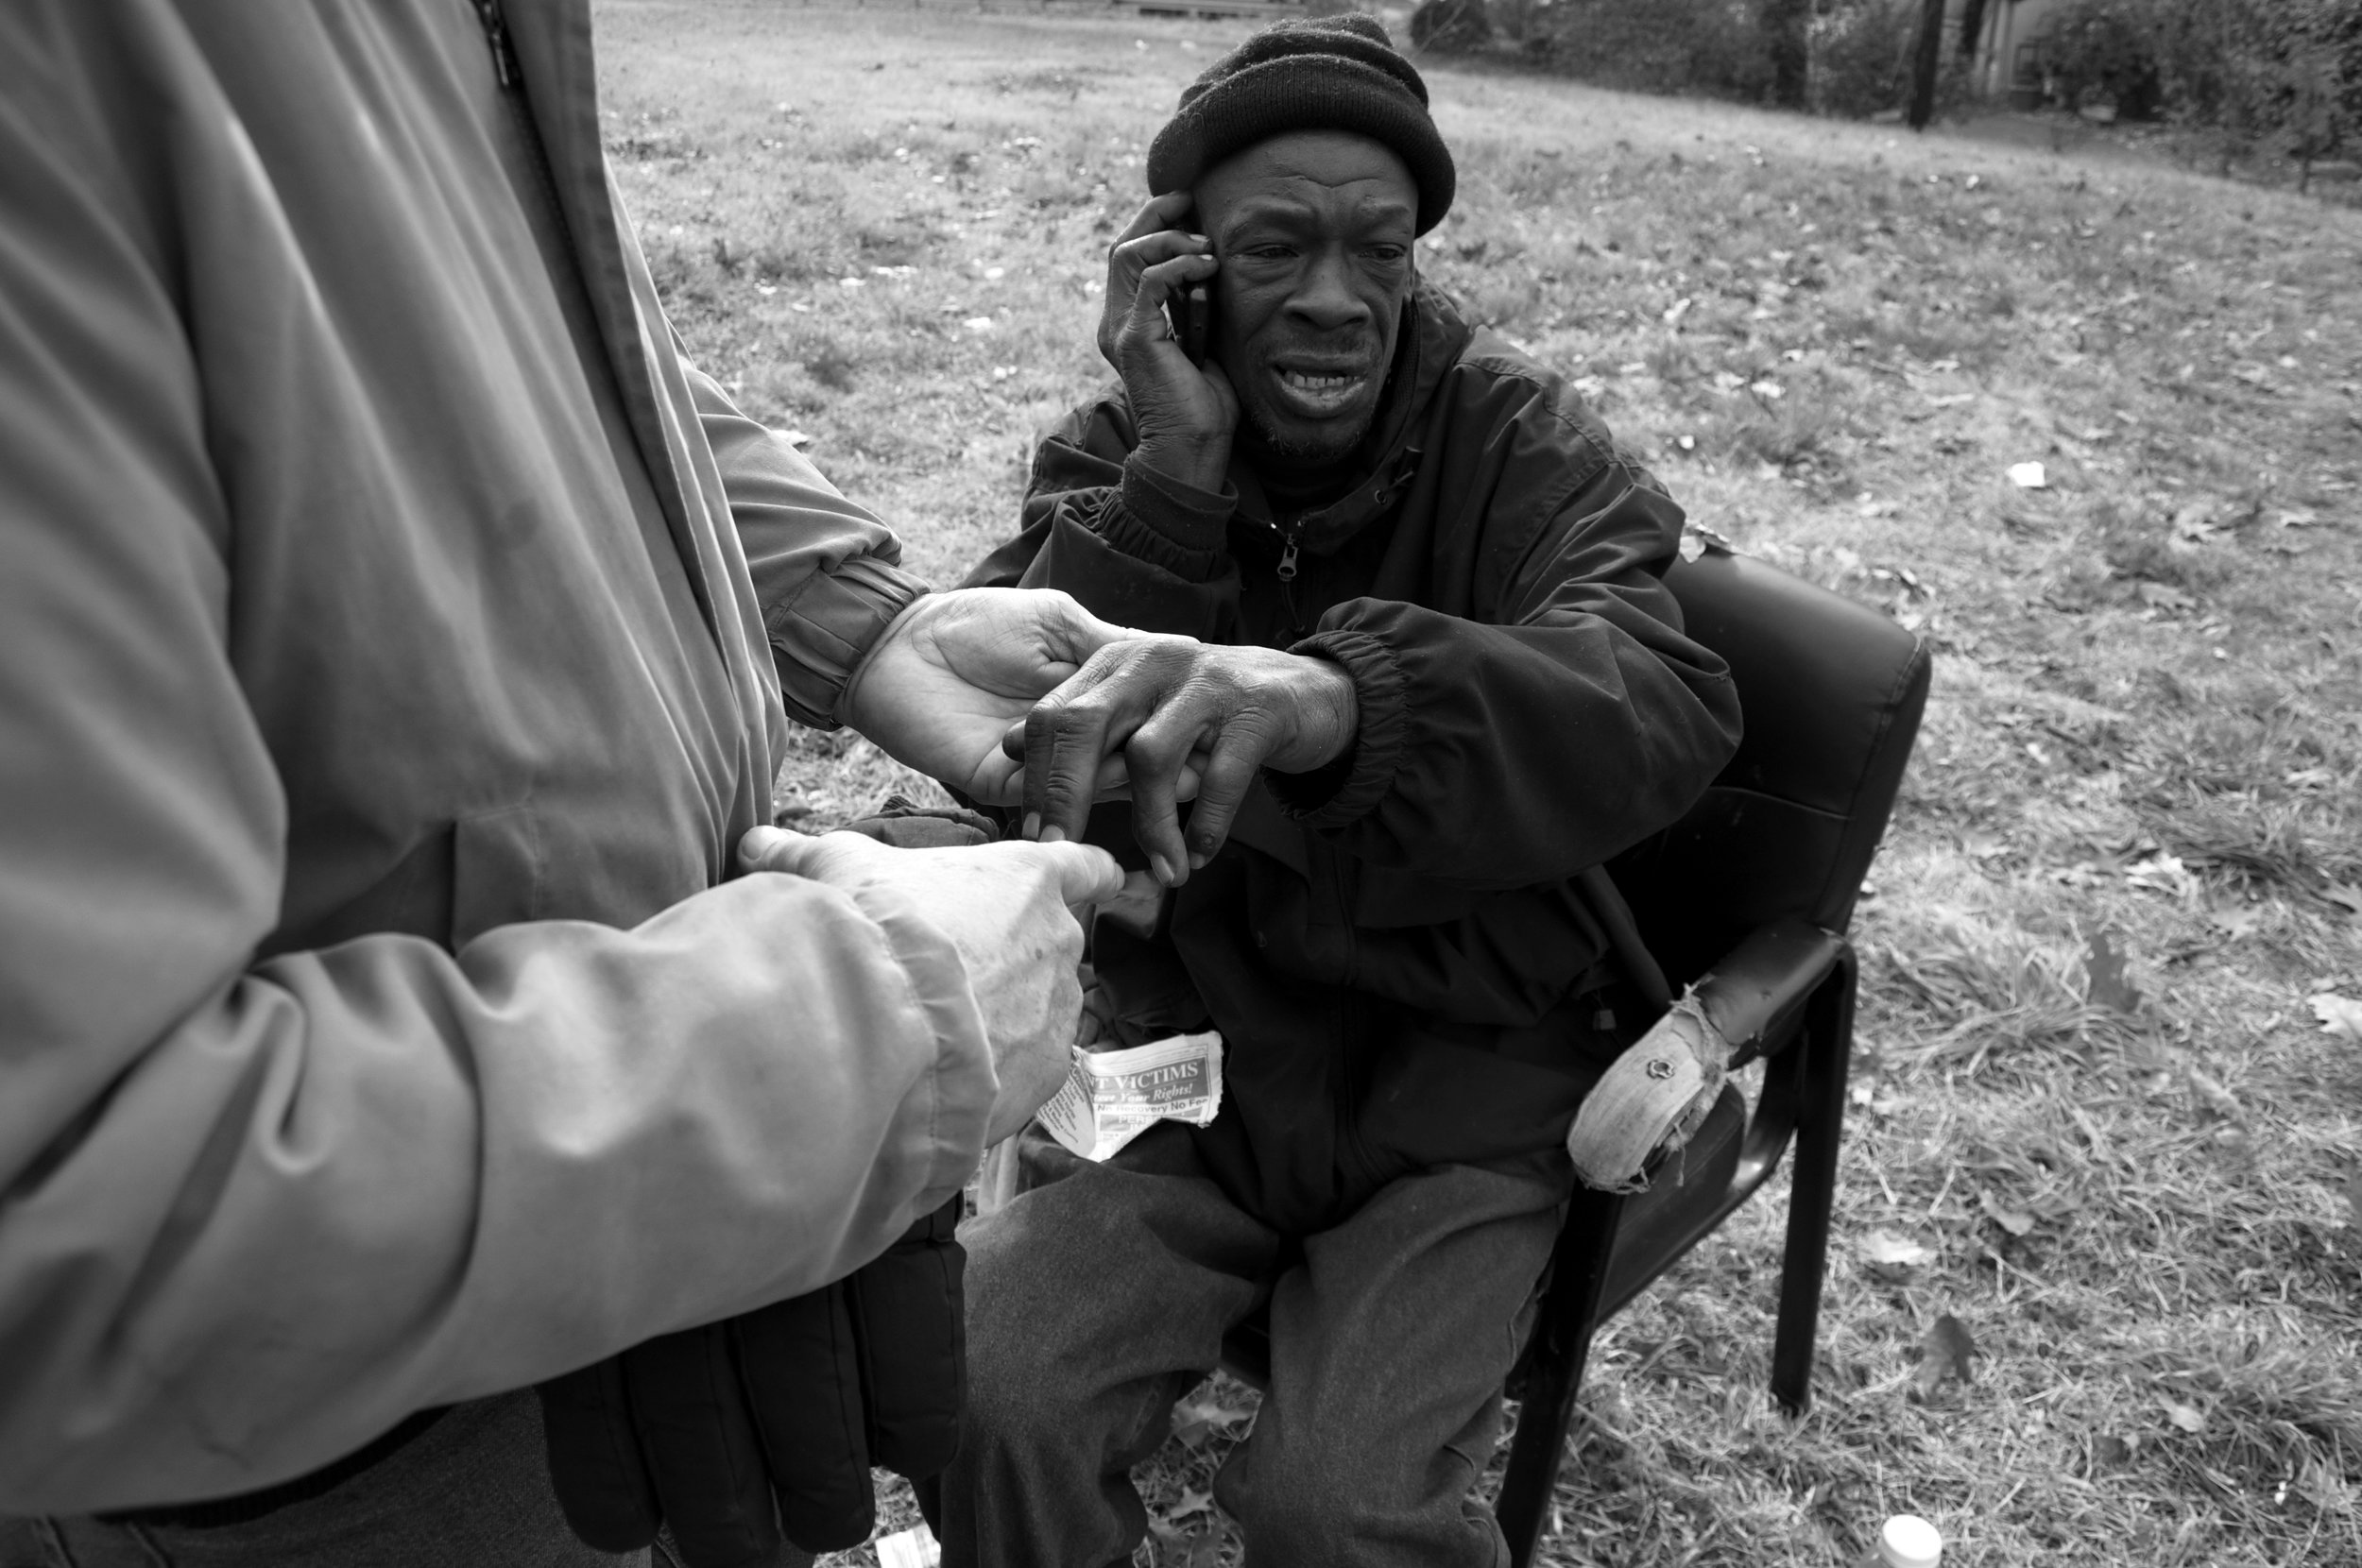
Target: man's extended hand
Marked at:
955, 670
1185, 413
1172, 708
1009, 911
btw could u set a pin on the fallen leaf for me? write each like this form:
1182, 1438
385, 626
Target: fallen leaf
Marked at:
2338, 1016
2217, 1098
1890, 1251
2108, 986
2349, 899
1193, 1500
2111, 1453
2008, 1220
2028, 476
1944, 1354
1196, 1420
2162, 874
2163, 596
2353, 1198
2185, 1418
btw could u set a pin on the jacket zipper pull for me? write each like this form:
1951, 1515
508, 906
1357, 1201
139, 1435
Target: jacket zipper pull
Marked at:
1288, 559
505, 69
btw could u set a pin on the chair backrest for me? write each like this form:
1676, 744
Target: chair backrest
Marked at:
1831, 691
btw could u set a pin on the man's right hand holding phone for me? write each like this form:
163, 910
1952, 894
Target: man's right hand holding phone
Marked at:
1185, 413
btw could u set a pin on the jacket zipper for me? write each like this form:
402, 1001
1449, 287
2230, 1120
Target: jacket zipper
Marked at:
504, 68
1287, 574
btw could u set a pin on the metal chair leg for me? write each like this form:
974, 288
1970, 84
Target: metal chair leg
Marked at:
1820, 1060
1569, 1315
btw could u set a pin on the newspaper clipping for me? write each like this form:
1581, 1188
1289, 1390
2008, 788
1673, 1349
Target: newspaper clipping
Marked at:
1113, 1096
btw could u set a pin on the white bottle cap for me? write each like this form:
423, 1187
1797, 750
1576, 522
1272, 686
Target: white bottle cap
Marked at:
1909, 1542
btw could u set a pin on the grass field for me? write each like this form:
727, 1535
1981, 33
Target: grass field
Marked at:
2141, 1195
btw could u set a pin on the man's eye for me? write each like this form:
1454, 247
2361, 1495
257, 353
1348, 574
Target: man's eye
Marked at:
1388, 254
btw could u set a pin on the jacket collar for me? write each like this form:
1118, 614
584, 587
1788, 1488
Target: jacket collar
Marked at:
1427, 351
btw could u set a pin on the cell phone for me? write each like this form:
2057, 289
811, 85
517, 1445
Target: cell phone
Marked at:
1192, 317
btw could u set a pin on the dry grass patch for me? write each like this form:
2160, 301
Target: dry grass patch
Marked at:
2138, 1195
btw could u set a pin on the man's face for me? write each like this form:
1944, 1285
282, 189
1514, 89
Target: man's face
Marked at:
1313, 232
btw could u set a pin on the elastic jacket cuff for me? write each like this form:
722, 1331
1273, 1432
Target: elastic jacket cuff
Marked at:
1169, 523
963, 1080
1318, 799
820, 633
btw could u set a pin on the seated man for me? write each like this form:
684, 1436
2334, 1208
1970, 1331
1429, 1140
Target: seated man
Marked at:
1437, 676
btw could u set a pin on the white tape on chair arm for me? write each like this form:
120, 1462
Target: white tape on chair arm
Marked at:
1653, 1097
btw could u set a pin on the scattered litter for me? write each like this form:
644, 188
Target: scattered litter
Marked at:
2028, 476
915, 1547
1112, 1097
978, 323
1885, 1250
2338, 1016
795, 437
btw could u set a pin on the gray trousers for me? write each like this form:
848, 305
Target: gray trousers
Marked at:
1100, 1296
470, 1492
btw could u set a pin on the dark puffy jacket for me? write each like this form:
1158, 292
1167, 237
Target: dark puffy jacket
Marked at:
1394, 949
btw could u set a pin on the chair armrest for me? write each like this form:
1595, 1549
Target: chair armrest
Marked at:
1653, 1098
1757, 989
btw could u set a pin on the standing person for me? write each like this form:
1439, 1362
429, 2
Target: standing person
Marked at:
398, 639
1432, 676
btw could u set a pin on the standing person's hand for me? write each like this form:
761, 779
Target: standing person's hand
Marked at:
1185, 413
1009, 910
955, 670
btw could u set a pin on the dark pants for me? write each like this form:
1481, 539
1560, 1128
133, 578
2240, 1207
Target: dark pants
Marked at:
1100, 1296
471, 1491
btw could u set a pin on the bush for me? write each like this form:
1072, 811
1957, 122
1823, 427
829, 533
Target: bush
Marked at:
1451, 24
2111, 49
2253, 69
1714, 46
1861, 55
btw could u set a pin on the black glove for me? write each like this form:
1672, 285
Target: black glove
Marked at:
764, 1425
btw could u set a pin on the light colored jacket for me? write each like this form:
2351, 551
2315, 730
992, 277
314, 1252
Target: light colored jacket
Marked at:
378, 1025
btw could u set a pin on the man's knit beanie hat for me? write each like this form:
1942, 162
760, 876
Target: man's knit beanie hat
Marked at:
1329, 73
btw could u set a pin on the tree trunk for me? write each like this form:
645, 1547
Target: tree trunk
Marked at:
1926, 62
1971, 28
1783, 23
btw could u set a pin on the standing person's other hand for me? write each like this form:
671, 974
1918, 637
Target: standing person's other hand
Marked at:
955, 670
1185, 413
1009, 910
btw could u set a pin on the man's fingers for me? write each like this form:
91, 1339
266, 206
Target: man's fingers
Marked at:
1156, 213
1222, 784
1086, 874
1160, 283
775, 849
1063, 742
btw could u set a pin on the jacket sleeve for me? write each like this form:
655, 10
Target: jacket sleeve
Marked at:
1132, 546
1571, 718
255, 1212
827, 572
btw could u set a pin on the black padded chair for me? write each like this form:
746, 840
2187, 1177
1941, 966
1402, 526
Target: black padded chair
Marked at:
1747, 899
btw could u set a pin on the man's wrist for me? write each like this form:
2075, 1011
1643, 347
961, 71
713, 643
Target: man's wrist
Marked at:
1329, 716
1194, 461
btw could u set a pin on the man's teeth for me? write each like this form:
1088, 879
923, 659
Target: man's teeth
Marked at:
1316, 383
